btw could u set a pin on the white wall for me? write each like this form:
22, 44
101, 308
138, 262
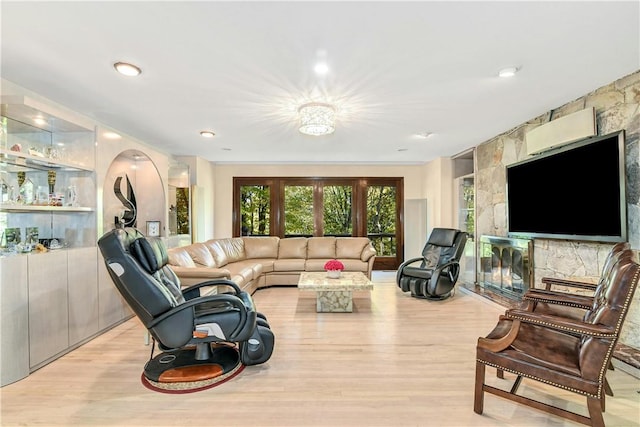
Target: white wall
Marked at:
201, 173
428, 197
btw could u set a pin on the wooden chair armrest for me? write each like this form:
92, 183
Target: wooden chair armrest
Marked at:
558, 298
499, 344
551, 281
561, 323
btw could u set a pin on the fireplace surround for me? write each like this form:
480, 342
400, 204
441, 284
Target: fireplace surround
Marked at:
506, 265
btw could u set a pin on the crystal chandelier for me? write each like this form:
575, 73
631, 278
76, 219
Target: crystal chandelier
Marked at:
317, 119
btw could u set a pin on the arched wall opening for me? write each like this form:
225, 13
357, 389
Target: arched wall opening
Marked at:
135, 177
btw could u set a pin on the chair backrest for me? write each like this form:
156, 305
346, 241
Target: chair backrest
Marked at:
443, 245
612, 258
139, 270
611, 304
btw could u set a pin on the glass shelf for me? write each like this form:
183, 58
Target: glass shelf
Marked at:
54, 150
22, 161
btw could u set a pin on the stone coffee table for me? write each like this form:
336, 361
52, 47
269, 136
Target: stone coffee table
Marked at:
334, 295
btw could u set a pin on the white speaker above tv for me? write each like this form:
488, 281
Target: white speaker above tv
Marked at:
566, 129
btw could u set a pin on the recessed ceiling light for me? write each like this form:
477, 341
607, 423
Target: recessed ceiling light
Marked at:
508, 72
207, 134
127, 69
424, 135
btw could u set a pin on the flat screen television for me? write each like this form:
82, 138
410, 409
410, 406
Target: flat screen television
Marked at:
575, 192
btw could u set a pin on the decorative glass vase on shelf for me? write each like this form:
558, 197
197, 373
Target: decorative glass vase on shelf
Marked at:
71, 198
26, 193
5, 191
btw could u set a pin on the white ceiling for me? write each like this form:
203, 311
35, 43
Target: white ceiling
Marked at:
242, 68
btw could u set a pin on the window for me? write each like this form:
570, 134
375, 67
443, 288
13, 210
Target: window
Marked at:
255, 210
337, 209
298, 218
292, 207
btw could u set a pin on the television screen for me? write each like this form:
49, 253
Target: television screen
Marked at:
576, 192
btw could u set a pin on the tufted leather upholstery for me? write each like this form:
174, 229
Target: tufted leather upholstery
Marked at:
571, 354
561, 302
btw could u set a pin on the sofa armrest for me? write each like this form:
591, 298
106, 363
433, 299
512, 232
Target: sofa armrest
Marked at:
368, 252
201, 272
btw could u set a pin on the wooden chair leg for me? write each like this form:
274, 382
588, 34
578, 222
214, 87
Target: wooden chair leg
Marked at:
607, 388
516, 384
595, 411
478, 401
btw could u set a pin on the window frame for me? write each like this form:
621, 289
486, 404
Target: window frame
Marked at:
359, 206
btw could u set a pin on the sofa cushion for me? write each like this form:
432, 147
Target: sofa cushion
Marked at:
350, 247
200, 254
294, 264
321, 247
356, 265
225, 251
316, 264
180, 257
217, 252
265, 263
234, 248
246, 266
261, 246
293, 247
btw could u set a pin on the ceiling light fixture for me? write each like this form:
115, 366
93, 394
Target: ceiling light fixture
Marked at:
317, 118
127, 69
508, 72
207, 134
321, 68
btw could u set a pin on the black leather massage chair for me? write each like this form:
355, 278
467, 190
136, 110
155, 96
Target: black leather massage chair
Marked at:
434, 275
189, 329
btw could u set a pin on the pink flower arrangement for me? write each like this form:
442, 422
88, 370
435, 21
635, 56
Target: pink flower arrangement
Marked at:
333, 265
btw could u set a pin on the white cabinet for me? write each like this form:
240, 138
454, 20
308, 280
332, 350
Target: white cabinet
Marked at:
82, 276
48, 306
14, 329
50, 299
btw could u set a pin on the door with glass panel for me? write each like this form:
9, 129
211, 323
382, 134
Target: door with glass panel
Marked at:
383, 217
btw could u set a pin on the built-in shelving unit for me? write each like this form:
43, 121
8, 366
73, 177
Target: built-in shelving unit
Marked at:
49, 298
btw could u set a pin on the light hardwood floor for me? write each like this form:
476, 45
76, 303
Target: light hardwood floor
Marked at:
395, 361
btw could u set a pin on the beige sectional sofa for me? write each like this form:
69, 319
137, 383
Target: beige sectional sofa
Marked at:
256, 262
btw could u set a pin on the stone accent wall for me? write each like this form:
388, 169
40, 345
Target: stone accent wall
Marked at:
617, 107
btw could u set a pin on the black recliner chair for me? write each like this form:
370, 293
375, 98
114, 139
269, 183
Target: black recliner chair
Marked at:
191, 330
436, 275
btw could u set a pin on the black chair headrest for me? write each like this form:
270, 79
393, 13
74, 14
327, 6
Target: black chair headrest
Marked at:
443, 236
150, 253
